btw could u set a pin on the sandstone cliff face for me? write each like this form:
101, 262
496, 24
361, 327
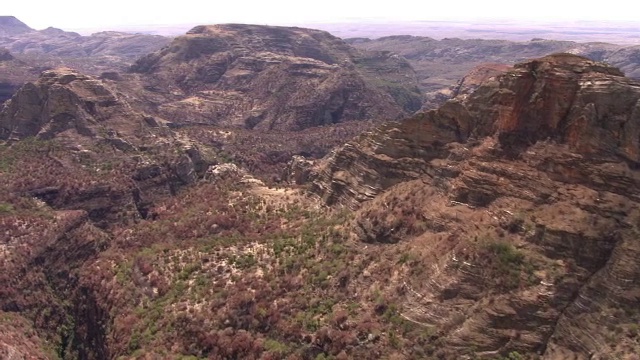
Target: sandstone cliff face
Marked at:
590, 107
441, 63
543, 161
96, 128
64, 101
275, 78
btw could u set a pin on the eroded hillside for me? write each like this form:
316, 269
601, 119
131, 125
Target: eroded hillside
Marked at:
441, 63
502, 225
51, 47
524, 199
273, 78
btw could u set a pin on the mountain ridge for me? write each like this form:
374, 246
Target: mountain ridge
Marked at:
502, 224
236, 71
553, 134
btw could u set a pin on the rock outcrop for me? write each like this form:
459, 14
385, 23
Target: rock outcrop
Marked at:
65, 102
543, 160
13, 74
275, 78
587, 106
96, 126
441, 63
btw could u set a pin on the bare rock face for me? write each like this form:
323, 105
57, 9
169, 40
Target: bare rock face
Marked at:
275, 78
542, 161
588, 106
96, 127
441, 63
465, 86
477, 77
63, 101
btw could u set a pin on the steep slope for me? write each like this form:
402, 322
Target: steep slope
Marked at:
78, 162
503, 224
62, 100
13, 73
522, 200
95, 128
627, 59
274, 78
441, 63
9, 25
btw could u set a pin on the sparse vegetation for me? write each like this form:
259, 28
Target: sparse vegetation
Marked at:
142, 253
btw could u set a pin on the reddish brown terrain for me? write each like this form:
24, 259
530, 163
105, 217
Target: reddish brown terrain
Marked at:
439, 64
145, 214
521, 201
273, 78
13, 74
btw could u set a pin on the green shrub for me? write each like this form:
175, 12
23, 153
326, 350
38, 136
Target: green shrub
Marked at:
6, 208
507, 254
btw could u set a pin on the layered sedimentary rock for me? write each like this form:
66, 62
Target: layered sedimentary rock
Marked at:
589, 107
97, 127
538, 170
65, 101
441, 63
274, 78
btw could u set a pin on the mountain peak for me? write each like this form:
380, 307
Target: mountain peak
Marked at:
10, 25
300, 77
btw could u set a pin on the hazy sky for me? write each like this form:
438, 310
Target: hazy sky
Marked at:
78, 14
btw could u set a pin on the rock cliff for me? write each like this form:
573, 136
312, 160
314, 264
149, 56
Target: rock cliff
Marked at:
96, 127
525, 194
275, 78
587, 106
441, 63
13, 73
65, 101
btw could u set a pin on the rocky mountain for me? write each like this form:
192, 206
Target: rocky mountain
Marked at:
441, 63
64, 44
63, 102
13, 73
51, 47
274, 78
9, 26
25, 52
525, 196
502, 225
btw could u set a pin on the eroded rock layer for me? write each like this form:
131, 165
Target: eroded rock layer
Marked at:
539, 168
274, 78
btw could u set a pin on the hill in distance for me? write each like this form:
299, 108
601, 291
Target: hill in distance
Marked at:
139, 220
